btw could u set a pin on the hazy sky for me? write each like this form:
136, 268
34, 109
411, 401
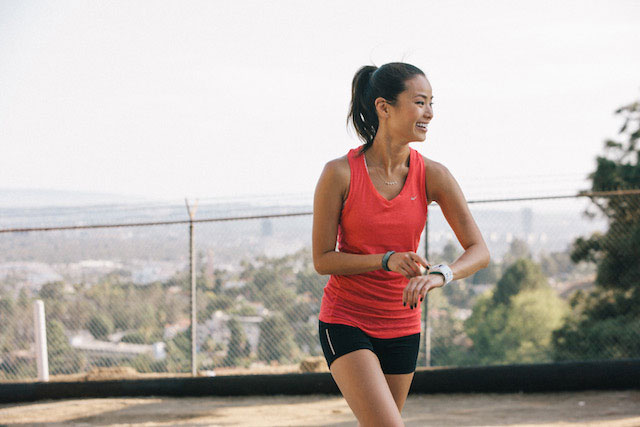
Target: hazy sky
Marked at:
168, 99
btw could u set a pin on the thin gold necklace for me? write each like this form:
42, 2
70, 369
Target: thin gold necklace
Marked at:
383, 180
390, 182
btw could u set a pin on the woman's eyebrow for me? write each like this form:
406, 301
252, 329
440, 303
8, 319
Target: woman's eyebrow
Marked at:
423, 96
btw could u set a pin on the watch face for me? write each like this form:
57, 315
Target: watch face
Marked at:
444, 270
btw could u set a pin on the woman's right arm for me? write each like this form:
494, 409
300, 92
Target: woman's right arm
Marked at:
331, 192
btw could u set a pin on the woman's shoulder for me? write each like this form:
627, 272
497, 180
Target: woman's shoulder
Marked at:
338, 169
437, 177
335, 177
434, 167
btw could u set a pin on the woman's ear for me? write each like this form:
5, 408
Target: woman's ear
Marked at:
382, 107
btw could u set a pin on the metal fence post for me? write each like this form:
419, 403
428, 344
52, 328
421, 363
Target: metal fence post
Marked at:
192, 277
41, 341
427, 330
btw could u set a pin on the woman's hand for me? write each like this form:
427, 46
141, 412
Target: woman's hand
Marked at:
418, 287
407, 263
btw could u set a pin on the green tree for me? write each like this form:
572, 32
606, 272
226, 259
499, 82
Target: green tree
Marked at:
56, 304
146, 363
311, 283
273, 281
601, 325
514, 323
243, 309
491, 274
179, 352
485, 328
7, 313
24, 301
52, 290
238, 347
523, 274
100, 326
557, 264
449, 343
306, 338
276, 339
134, 338
459, 294
7, 308
217, 302
532, 317
62, 358
606, 322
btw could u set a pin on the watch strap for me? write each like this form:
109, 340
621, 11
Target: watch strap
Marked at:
385, 260
444, 270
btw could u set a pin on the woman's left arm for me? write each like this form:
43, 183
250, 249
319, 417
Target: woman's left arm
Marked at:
448, 194
444, 189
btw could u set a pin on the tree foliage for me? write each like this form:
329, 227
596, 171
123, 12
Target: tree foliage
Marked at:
239, 347
100, 326
617, 250
179, 352
448, 341
491, 274
514, 322
62, 358
602, 325
276, 339
524, 274
605, 323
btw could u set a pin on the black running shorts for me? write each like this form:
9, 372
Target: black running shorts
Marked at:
396, 355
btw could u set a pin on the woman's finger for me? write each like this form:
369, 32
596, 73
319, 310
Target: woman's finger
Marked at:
405, 293
423, 291
411, 291
416, 292
419, 260
405, 271
411, 264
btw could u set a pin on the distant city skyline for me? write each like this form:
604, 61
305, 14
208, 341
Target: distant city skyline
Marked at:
240, 99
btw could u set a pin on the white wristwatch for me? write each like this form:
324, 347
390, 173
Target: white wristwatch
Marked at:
444, 270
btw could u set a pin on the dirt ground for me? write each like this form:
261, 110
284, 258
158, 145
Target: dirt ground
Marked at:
592, 408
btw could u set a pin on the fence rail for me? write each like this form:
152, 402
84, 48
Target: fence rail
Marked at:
240, 218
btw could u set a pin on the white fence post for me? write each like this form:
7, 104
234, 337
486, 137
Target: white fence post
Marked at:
40, 330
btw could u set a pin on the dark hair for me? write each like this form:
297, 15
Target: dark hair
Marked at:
369, 83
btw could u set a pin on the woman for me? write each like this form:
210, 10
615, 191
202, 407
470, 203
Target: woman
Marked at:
373, 202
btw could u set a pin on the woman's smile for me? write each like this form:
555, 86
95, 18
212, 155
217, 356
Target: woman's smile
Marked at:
422, 126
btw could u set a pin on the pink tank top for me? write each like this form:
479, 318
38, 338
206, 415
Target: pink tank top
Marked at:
371, 224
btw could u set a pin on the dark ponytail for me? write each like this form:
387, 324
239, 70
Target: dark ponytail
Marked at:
369, 83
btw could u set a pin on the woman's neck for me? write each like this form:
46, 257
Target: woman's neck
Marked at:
387, 154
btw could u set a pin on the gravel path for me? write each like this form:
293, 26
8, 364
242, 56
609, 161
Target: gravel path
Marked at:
592, 408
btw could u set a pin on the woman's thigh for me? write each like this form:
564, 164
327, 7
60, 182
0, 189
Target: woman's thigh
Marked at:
399, 384
360, 379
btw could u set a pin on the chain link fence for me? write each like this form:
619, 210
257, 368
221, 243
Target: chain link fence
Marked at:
562, 285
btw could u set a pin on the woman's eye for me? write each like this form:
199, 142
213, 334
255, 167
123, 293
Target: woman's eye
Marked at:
421, 102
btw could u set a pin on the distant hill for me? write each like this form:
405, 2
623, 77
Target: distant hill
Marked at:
32, 198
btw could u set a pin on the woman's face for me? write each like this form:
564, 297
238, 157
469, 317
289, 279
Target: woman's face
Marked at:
412, 112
